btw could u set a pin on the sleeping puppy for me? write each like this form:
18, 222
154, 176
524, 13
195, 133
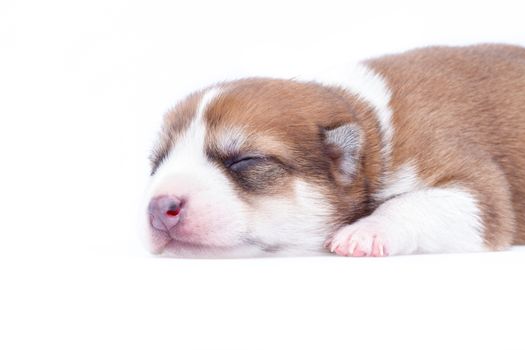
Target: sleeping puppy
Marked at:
420, 152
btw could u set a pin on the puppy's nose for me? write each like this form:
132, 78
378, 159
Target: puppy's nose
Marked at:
164, 212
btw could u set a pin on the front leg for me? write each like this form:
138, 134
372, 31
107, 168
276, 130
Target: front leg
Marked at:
433, 220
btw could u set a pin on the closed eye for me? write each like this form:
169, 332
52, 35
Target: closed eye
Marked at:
240, 164
256, 173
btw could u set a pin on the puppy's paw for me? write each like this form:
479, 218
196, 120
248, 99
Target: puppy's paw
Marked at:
363, 238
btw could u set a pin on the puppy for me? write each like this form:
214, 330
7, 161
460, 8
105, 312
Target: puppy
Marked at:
419, 152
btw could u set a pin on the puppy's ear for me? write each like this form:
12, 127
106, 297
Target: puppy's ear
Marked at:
343, 146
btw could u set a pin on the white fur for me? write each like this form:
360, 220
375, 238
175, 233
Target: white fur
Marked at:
188, 153
433, 220
418, 218
405, 179
372, 88
299, 224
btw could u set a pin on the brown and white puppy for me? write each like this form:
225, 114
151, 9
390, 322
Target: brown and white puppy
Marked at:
420, 152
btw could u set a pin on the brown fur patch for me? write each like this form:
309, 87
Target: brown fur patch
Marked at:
460, 114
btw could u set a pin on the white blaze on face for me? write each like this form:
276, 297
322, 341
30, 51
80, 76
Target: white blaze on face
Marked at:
211, 205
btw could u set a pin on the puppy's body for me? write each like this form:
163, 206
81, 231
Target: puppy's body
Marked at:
417, 152
460, 117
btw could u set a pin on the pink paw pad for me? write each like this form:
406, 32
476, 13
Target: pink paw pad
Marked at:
352, 246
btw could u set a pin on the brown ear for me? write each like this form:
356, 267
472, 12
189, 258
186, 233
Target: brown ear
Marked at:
343, 145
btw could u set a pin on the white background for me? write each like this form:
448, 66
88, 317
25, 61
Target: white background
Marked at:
83, 86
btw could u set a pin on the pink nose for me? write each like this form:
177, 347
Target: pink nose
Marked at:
164, 212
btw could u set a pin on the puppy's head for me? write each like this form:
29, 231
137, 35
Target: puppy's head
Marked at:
254, 167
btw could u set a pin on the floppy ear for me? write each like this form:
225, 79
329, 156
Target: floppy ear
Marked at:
343, 146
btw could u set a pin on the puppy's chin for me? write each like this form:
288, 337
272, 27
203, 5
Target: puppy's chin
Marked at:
163, 244
178, 249
249, 249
